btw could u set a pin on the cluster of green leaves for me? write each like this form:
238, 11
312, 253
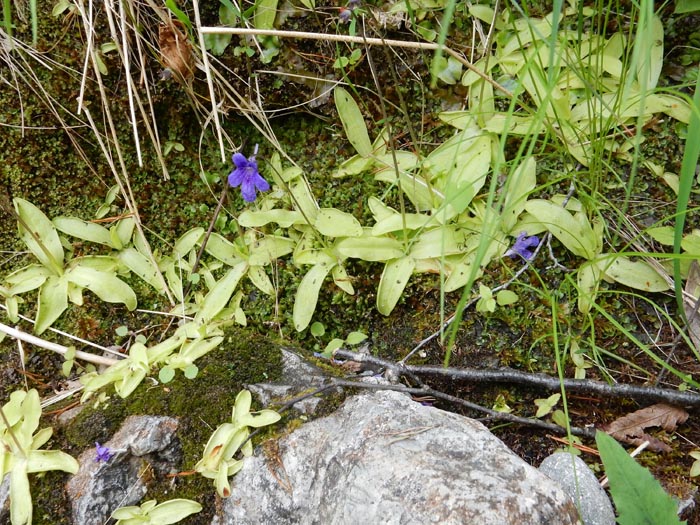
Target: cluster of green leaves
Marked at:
59, 276
260, 15
128, 373
219, 460
20, 453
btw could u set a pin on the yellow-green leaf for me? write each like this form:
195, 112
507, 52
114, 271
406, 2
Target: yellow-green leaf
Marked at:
353, 122
335, 223
307, 295
396, 274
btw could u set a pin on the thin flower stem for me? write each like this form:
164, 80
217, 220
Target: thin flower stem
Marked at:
195, 266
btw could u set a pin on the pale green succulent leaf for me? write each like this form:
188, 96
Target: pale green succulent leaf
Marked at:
521, 182
394, 278
141, 266
53, 300
106, 285
575, 233
369, 248
635, 274
188, 241
45, 244
335, 223
307, 295
20, 495
269, 248
353, 122
219, 296
257, 219
259, 278
28, 278
173, 511
87, 231
45, 460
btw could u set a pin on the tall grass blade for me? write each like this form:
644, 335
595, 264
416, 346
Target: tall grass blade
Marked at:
690, 161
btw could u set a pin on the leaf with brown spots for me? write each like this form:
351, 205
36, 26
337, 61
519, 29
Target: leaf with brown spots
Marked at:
630, 428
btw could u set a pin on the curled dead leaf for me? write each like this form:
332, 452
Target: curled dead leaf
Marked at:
176, 49
630, 428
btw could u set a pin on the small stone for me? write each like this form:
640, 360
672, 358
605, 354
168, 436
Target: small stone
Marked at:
578, 481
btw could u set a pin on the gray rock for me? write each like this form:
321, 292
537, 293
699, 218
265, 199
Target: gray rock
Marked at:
297, 376
101, 487
579, 482
383, 458
5, 498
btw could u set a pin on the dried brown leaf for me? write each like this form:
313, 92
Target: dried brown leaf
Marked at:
176, 49
630, 428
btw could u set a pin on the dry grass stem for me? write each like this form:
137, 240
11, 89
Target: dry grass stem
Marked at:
55, 347
426, 46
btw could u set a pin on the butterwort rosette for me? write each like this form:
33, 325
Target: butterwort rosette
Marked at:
247, 176
524, 246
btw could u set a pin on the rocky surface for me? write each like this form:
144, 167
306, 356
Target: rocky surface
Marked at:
578, 481
100, 487
383, 458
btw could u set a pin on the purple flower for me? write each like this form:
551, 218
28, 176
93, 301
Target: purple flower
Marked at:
524, 246
247, 176
103, 453
345, 15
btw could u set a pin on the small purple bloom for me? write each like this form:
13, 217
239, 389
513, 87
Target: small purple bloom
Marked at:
524, 246
103, 453
247, 176
345, 15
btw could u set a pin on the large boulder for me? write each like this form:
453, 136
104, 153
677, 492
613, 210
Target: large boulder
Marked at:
383, 458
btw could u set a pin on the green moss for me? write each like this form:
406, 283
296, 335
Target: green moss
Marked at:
200, 405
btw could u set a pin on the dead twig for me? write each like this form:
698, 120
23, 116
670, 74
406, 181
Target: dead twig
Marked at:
542, 381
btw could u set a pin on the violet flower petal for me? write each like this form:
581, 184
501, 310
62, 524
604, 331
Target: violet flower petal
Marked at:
103, 453
524, 246
247, 176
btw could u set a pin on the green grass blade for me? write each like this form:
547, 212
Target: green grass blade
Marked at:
690, 161
7, 17
35, 22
